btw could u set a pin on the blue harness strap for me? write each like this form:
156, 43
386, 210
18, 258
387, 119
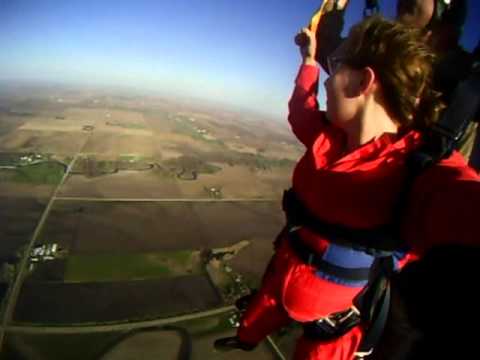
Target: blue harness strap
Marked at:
339, 264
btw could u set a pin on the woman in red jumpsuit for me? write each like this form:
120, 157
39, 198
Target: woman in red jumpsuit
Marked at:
378, 101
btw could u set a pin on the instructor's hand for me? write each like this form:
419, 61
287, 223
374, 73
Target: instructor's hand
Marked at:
307, 43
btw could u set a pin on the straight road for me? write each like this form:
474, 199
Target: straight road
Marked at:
11, 298
94, 199
42, 329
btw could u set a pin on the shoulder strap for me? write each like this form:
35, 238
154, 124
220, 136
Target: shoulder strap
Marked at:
443, 137
374, 304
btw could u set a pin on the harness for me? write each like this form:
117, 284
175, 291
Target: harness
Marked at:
381, 244
372, 7
353, 261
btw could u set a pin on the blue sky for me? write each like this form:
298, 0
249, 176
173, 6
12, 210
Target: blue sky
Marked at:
237, 52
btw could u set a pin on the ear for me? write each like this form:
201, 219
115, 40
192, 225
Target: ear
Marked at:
368, 81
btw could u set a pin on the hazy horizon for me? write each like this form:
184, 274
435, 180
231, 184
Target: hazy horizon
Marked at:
238, 54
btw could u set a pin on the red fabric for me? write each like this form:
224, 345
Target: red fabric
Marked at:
444, 209
340, 349
291, 290
358, 189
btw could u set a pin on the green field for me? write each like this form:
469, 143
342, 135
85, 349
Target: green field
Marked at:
187, 164
111, 267
42, 173
186, 127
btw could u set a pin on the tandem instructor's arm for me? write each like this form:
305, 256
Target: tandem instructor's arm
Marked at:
329, 30
304, 117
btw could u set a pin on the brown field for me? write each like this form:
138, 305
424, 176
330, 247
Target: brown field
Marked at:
21, 206
168, 343
66, 346
116, 144
159, 344
49, 124
240, 182
203, 349
56, 142
252, 261
124, 184
92, 228
9, 123
250, 151
234, 181
85, 116
59, 303
275, 140
21, 190
18, 219
117, 132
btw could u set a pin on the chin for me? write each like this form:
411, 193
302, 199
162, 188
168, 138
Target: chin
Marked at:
330, 118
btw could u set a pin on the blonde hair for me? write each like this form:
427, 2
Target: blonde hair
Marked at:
403, 64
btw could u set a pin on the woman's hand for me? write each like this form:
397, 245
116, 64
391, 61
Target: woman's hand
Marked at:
307, 43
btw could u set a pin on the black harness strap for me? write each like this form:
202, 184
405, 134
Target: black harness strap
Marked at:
465, 105
333, 326
371, 8
380, 241
374, 304
375, 331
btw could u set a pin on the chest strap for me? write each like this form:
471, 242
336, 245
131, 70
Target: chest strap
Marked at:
380, 241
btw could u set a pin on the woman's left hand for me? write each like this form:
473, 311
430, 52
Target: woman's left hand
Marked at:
307, 43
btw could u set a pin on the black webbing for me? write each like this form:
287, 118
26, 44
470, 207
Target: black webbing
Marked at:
374, 303
373, 241
375, 331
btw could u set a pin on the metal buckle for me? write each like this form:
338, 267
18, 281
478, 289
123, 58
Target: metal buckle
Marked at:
362, 354
335, 322
294, 228
327, 325
353, 311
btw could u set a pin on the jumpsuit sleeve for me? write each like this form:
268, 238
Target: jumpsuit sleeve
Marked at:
304, 117
446, 206
454, 215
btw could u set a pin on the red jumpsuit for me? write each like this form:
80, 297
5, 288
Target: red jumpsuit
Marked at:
358, 189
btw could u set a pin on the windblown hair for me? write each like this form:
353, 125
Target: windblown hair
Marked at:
403, 64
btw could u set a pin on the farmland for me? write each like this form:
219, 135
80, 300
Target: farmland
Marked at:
133, 195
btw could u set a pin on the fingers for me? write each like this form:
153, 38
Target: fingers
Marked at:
307, 32
304, 37
301, 39
306, 42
